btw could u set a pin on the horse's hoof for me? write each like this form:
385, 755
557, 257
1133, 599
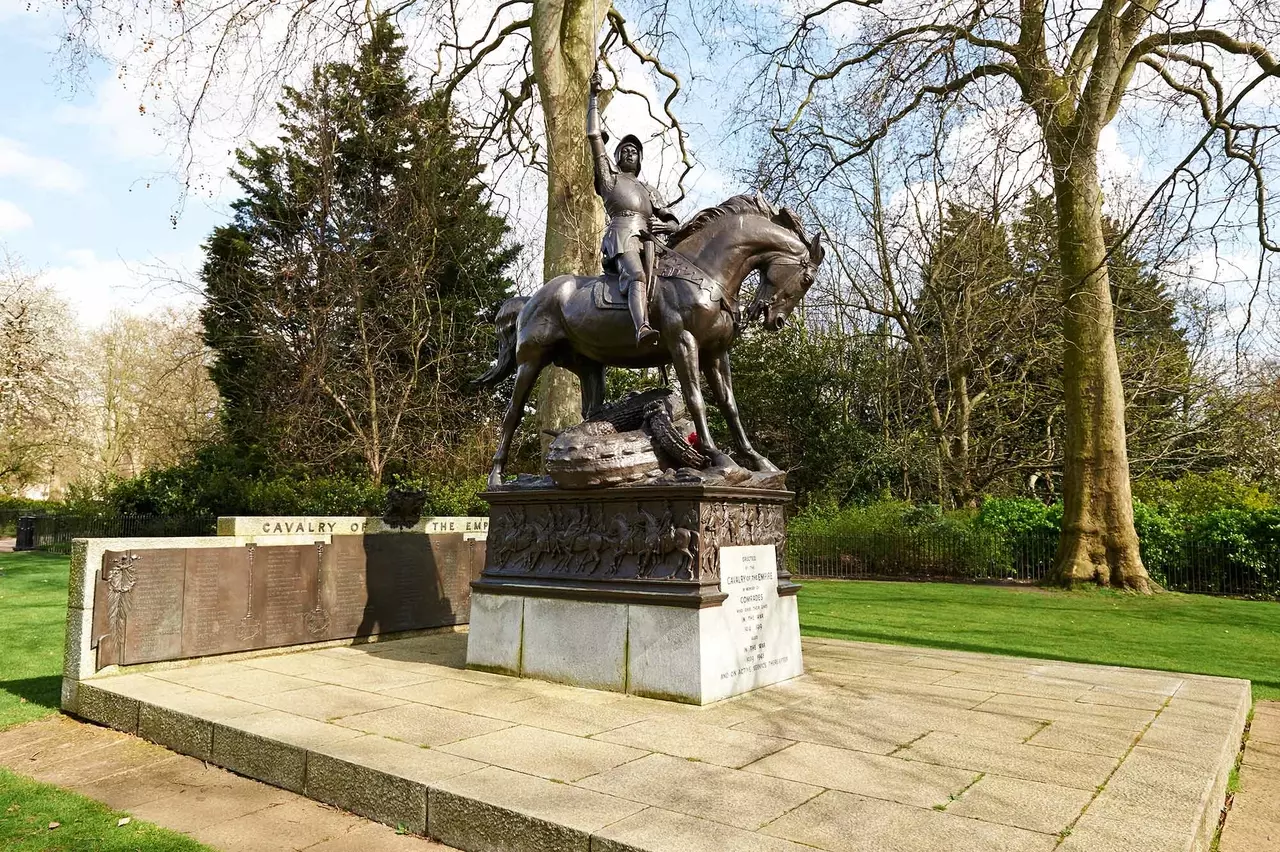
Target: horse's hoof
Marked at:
762, 465
495, 480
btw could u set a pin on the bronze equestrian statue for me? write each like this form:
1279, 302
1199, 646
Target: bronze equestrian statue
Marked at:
637, 216
695, 309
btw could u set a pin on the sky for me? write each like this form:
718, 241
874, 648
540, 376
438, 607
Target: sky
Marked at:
86, 186
91, 180
91, 192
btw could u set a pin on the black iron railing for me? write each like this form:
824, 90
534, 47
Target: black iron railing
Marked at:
1213, 568
55, 532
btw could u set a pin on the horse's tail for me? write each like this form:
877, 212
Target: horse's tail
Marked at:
505, 319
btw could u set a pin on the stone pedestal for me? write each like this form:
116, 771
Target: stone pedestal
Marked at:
672, 592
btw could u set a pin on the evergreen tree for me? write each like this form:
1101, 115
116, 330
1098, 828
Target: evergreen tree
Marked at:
343, 295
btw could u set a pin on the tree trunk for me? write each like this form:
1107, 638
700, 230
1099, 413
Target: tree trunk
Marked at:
564, 52
1099, 543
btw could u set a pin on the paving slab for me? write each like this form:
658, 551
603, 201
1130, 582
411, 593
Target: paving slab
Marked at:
842, 821
743, 799
547, 754
1046, 808
328, 701
422, 725
1085, 737
658, 830
694, 741
877, 747
1015, 760
495, 808
872, 775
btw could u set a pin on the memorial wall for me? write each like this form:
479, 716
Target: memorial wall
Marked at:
318, 579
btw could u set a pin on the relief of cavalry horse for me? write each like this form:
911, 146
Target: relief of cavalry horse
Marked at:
694, 305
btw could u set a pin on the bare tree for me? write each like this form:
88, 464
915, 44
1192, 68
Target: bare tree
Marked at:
38, 382
146, 397
1071, 66
964, 330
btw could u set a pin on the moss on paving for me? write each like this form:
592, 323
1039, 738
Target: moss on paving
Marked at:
1168, 631
27, 808
33, 609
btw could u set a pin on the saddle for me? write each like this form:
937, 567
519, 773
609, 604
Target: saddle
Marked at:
607, 289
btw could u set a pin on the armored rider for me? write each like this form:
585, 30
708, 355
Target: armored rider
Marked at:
636, 216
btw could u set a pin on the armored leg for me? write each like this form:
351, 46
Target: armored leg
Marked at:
631, 271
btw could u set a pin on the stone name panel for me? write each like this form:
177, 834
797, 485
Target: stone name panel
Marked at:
166, 604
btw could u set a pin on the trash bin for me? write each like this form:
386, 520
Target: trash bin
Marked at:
26, 539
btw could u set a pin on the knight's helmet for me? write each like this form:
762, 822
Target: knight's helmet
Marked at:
634, 140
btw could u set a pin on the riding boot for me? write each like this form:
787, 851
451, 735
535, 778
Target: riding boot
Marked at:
638, 302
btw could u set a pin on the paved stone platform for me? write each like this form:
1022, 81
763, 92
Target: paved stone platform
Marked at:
221, 810
876, 747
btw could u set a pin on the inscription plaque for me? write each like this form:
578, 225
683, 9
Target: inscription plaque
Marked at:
153, 605
763, 645
406, 582
217, 598
346, 588
142, 594
289, 580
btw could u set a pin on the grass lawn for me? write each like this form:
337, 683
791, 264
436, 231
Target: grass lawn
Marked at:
33, 609
1174, 632
33, 615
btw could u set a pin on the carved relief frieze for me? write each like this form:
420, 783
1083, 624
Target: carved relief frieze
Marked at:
659, 538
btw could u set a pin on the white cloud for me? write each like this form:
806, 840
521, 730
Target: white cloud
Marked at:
13, 217
95, 287
37, 171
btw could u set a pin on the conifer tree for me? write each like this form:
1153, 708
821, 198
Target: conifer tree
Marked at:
343, 296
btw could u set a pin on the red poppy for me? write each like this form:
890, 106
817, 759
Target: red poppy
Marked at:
693, 439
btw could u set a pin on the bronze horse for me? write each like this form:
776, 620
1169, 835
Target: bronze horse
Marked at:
693, 309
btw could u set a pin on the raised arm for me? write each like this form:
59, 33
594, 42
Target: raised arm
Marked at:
603, 168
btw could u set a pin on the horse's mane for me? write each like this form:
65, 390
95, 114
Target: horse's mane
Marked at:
738, 204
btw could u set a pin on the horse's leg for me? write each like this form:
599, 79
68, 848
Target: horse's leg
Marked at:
526, 377
720, 381
684, 356
591, 375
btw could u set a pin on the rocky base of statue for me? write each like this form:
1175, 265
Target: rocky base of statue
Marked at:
676, 592
643, 439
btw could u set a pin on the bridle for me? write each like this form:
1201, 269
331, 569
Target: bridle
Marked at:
759, 304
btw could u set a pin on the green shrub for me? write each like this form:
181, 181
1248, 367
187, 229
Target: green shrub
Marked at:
1201, 493
220, 481
1014, 517
893, 538
11, 508
1160, 539
1231, 549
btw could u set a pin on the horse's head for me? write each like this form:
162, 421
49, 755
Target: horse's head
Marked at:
786, 274
746, 233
